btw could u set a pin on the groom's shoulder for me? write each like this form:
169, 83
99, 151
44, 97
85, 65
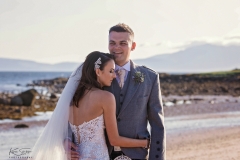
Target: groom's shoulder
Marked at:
148, 70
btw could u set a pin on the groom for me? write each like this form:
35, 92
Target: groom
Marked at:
138, 99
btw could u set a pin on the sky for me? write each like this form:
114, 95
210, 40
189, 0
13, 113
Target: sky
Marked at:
53, 31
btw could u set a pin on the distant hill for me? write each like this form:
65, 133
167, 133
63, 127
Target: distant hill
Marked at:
25, 65
203, 58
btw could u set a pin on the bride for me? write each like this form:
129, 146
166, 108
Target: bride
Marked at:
87, 109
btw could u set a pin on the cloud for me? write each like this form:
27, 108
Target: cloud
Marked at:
147, 44
238, 12
234, 37
225, 41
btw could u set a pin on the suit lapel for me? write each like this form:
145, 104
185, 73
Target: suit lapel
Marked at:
132, 88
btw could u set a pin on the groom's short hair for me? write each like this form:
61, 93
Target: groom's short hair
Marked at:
121, 27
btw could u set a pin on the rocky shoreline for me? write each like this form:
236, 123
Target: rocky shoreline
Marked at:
25, 104
17, 106
222, 83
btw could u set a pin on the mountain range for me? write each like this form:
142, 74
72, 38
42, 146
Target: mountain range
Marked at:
202, 58
26, 65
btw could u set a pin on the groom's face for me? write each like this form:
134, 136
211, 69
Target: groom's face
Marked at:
120, 45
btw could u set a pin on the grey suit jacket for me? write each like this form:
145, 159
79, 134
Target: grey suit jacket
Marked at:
142, 104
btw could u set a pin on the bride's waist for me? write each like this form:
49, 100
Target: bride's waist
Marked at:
92, 139
92, 145
92, 142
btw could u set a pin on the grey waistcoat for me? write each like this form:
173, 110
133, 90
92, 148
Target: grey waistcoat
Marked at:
120, 93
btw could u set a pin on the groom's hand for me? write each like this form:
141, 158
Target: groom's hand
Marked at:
70, 149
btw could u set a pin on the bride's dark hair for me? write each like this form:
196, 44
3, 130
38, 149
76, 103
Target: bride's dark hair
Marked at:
89, 77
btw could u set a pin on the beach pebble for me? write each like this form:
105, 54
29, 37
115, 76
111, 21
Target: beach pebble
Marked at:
212, 102
168, 104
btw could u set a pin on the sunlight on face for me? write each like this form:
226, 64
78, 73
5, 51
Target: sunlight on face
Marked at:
121, 45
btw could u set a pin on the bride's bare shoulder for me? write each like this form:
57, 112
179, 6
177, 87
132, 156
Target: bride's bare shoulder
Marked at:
103, 95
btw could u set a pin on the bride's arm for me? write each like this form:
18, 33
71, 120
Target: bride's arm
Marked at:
109, 111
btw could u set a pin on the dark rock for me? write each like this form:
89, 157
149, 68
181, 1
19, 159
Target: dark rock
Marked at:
28, 97
224, 89
201, 84
174, 101
204, 90
4, 101
21, 126
53, 96
163, 74
197, 99
237, 90
30, 85
16, 101
20, 110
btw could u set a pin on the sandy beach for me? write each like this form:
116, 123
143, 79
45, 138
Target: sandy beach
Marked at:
211, 144
201, 130
204, 130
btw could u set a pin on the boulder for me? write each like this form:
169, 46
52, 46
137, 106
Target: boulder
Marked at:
28, 97
16, 101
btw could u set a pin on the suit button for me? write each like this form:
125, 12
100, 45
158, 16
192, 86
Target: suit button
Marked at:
121, 103
158, 149
158, 142
157, 156
118, 119
121, 94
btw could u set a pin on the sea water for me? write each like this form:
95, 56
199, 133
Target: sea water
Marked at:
16, 81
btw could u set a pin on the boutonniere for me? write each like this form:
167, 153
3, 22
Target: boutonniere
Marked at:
138, 77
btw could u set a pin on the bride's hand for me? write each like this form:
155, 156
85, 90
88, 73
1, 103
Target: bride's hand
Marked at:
70, 149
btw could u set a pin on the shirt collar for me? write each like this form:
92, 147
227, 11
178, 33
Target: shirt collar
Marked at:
126, 66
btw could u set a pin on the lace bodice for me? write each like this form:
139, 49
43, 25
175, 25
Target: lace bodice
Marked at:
92, 144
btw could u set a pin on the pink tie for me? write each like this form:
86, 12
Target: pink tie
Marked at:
121, 75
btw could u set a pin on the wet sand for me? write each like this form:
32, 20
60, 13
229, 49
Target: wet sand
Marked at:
204, 131
197, 131
204, 137
211, 144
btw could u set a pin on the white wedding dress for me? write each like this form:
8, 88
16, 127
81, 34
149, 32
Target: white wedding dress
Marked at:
49, 145
92, 145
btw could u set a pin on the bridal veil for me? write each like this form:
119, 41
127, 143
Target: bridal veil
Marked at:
49, 145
